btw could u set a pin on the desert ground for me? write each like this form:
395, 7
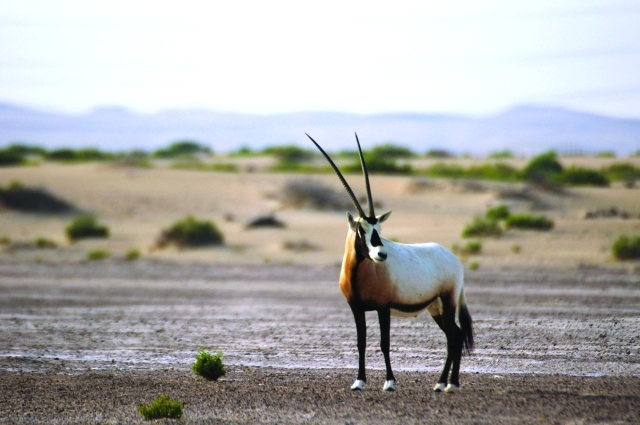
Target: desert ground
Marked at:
557, 320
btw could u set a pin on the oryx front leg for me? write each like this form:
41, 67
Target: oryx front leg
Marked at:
384, 316
361, 329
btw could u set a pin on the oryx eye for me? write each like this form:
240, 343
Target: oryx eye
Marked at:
375, 239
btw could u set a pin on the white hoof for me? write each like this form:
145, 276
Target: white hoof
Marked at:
451, 388
389, 385
358, 385
439, 387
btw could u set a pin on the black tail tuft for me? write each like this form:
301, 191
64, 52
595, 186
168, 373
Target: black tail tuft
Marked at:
466, 324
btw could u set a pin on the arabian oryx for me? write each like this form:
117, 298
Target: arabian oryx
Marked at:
396, 279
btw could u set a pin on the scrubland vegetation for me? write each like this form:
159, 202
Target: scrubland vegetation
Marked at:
209, 366
544, 170
626, 247
191, 232
161, 407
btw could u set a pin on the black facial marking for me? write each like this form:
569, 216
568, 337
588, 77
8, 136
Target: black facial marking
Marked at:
375, 238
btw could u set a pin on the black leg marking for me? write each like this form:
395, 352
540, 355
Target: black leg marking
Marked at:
439, 321
454, 345
384, 316
361, 328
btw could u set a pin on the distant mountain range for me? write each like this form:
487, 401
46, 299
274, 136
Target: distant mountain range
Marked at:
522, 129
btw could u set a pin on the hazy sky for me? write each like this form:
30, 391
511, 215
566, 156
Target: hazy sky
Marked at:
470, 57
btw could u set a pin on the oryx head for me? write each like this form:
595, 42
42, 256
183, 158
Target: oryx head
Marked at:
366, 227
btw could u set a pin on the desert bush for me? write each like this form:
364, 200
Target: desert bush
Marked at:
528, 222
439, 154
580, 176
132, 255
207, 365
497, 213
98, 254
474, 265
378, 164
473, 247
191, 232
626, 248
289, 153
78, 155
497, 171
9, 157
202, 166
542, 169
85, 227
503, 154
25, 150
42, 242
622, 171
480, 227
161, 407
264, 220
20, 198
62, 154
182, 148
307, 193
516, 249
390, 151
606, 154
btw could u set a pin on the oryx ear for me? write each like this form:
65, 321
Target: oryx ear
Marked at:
353, 223
382, 218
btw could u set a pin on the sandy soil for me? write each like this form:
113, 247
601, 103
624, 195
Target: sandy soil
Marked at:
136, 204
87, 342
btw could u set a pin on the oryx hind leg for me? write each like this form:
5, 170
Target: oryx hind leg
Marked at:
443, 314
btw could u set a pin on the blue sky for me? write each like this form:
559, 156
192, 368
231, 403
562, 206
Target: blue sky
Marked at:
466, 57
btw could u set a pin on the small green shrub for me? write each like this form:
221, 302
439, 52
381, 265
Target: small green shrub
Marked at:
132, 255
379, 164
480, 227
497, 171
5, 240
191, 232
86, 226
528, 222
161, 407
182, 148
580, 176
626, 248
542, 169
208, 365
621, 171
391, 151
503, 154
98, 254
9, 157
516, 249
497, 213
439, 153
44, 243
473, 247
474, 265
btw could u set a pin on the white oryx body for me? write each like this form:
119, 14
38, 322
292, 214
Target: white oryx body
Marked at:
401, 280
412, 275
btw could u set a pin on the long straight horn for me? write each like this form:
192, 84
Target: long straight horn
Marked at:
366, 179
344, 182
